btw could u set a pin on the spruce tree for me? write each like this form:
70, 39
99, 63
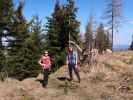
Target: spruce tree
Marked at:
26, 46
53, 29
62, 23
6, 17
102, 41
37, 32
21, 52
35, 45
89, 34
72, 26
17, 50
1, 52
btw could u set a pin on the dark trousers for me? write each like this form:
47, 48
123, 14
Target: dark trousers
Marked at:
45, 77
72, 67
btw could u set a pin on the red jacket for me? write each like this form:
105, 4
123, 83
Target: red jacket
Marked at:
45, 62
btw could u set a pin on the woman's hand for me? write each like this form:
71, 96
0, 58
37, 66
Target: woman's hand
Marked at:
76, 66
50, 69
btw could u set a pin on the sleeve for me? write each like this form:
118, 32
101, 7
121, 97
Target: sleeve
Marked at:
67, 59
49, 60
76, 57
40, 61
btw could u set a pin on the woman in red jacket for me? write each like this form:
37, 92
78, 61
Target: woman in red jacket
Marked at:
46, 66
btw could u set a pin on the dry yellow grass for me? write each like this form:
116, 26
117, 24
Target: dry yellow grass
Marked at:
110, 79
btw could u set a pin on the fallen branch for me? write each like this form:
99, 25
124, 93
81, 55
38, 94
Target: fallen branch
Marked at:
77, 46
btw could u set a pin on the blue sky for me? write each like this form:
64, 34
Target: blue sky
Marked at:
44, 8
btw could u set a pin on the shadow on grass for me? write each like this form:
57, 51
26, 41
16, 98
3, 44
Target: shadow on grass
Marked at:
67, 83
40, 80
63, 78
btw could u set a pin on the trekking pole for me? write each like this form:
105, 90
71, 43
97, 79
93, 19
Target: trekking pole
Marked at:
66, 87
66, 81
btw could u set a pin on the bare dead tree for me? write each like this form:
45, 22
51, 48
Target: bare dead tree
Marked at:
89, 34
113, 15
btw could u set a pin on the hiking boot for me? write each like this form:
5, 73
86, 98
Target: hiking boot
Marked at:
44, 86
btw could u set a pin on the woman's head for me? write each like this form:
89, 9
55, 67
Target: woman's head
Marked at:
70, 49
46, 53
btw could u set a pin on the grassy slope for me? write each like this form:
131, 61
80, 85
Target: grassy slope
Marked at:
110, 79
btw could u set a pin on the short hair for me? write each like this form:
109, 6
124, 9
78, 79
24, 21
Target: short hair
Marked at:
45, 52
